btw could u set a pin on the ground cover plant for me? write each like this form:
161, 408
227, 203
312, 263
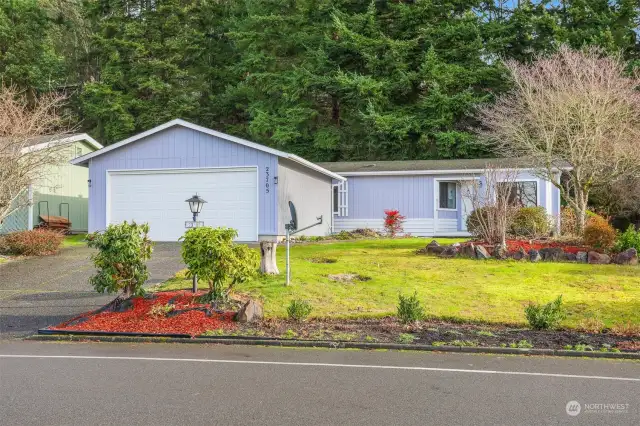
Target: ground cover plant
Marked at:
456, 289
75, 240
37, 242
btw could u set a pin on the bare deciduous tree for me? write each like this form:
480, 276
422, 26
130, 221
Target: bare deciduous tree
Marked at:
573, 108
493, 208
29, 143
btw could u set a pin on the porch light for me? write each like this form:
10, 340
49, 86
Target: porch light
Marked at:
195, 205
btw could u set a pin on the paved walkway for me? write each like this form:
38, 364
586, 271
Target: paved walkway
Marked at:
42, 291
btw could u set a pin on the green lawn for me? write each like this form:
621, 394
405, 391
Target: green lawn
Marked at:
74, 240
460, 289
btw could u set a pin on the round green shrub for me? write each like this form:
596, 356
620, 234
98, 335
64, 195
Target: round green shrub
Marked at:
531, 222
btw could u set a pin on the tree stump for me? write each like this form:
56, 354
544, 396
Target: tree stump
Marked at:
268, 258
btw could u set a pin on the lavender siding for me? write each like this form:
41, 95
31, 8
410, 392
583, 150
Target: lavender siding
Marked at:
414, 196
369, 196
180, 147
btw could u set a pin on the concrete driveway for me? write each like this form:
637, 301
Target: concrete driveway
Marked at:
42, 291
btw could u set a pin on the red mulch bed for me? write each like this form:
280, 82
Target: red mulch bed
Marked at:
515, 245
189, 316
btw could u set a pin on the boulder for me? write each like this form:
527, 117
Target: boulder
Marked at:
534, 255
250, 311
468, 250
434, 248
581, 257
552, 254
570, 257
627, 257
449, 251
596, 258
500, 253
482, 253
519, 255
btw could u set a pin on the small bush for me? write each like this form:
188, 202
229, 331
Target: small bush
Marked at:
393, 222
212, 256
598, 233
121, 261
38, 242
568, 222
158, 311
531, 222
628, 239
299, 310
406, 338
476, 219
544, 317
409, 309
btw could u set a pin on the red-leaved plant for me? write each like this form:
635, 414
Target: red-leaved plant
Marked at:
393, 222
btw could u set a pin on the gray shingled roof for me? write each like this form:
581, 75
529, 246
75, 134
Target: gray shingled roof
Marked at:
414, 165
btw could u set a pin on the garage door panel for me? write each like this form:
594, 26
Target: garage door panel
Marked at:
158, 197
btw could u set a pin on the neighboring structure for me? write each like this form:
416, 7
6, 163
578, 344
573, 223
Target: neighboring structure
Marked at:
63, 193
247, 186
428, 193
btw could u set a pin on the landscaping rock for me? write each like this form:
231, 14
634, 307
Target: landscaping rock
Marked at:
434, 248
450, 251
534, 255
581, 256
482, 253
519, 255
552, 254
596, 258
570, 257
627, 257
251, 311
500, 253
468, 250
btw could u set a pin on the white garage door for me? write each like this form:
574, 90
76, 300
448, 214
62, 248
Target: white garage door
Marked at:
158, 198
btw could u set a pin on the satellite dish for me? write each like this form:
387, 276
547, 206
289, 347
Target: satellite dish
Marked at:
294, 216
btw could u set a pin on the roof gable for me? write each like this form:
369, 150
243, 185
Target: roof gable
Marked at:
178, 122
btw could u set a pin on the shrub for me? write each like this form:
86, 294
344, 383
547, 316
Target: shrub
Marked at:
477, 219
628, 239
393, 222
299, 310
531, 222
409, 309
38, 242
211, 255
548, 316
568, 222
598, 233
123, 251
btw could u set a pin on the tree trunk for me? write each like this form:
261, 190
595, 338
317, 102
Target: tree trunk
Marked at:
268, 258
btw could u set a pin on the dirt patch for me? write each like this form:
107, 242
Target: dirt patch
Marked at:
322, 260
348, 278
389, 330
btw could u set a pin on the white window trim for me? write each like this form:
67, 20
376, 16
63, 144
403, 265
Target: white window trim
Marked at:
442, 209
343, 199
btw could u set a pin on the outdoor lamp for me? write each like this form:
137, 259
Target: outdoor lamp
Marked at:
195, 205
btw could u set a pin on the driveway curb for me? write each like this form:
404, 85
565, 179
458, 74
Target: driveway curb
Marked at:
64, 336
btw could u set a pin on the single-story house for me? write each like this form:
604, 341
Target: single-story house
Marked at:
428, 192
247, 186
63, 192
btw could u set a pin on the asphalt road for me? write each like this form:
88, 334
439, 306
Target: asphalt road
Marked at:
42, 291
96, 384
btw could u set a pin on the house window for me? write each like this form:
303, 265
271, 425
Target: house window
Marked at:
448, 195
523, 194
78, 151
340, 199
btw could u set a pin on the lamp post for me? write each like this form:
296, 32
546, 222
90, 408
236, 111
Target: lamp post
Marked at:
195, 205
